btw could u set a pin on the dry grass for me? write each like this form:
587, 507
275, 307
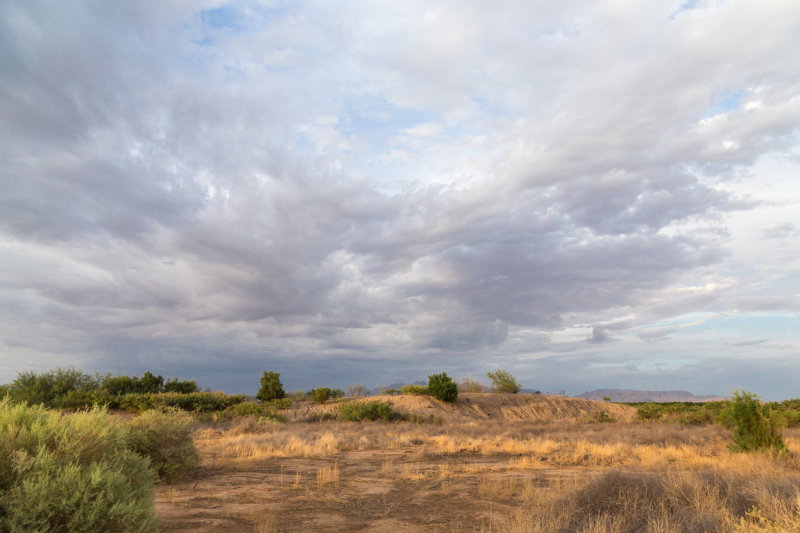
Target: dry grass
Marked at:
522, 477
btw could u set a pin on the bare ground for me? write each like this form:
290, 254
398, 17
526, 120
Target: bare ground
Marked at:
376, 491
405, 488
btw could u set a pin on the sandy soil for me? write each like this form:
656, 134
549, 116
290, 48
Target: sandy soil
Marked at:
478, 407
377, 491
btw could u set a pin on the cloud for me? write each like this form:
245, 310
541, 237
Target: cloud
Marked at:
389, 186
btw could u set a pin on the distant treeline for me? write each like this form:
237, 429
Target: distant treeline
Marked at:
68, 388
717, 412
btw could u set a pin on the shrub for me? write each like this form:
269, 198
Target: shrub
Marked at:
320, 394
469, 385
201, 402
165, 437
45, 388
185, 387
352, 390
358, 411
503, 382
271, 388
755, 427
413, 389
442, 387
65, 473
260, 411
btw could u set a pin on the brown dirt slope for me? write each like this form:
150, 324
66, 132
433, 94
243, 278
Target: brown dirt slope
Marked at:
481, 406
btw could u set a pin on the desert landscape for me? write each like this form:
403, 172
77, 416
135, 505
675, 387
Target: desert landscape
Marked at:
487, 462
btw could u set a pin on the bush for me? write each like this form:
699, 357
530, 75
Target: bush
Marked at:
358, 411
442, 387
413, 389
755, 427
320, 394
47, 387
470, 385
260, 411
503, 382
165, 437
70, 473
185, 387
271, 387
200, 402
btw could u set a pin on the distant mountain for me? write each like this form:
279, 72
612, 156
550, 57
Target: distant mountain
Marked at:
625, 395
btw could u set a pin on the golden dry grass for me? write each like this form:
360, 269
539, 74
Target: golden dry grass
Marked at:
522, 477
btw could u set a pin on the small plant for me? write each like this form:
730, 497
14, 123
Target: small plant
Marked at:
165, 437
359, 411
352, 390
755, 426
503, 382
414, 389
597, 417
442, 387
271, 387
470, 385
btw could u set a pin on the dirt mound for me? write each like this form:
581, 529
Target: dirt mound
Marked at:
481, 406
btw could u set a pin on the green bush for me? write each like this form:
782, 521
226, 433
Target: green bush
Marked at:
165, 437
503, 382
442, 387
271, 387
45, 388
414, 389
358, 411
200, 402
267, 410
755, 426
70, 473
320, 394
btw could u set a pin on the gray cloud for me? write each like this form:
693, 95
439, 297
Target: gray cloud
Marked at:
377, 186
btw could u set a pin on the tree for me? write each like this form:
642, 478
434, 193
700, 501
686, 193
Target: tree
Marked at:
503, 382
320, 394
271, 388
442, 387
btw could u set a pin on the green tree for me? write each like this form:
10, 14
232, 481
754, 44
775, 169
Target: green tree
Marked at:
503, 382
271, 388
755, 426
320, 394
442, 387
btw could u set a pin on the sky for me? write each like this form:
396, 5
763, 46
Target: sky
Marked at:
586, 194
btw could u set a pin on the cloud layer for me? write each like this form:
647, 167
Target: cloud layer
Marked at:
374, 191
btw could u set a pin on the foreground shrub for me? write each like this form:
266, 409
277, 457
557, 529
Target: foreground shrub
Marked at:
442, 387
755, 427
70, 473
358, 411
165, 437
656, 502
201, 402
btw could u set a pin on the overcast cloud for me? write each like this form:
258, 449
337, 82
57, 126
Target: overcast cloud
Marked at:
589, 196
